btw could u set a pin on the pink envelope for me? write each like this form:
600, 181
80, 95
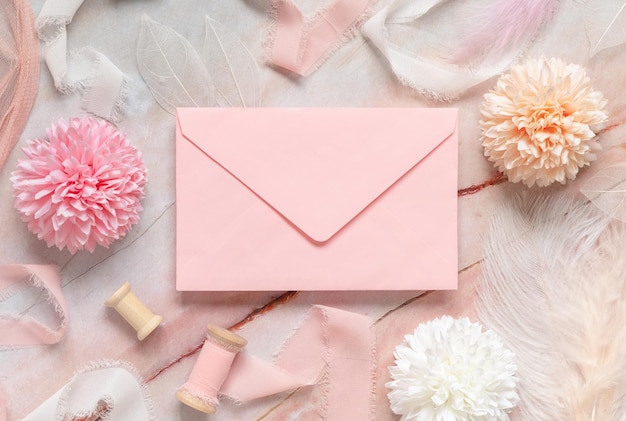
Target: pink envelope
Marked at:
316, 199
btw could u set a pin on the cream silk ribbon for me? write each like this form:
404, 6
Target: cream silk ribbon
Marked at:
436, 79
25, 330
107, 390
302, 45
19, 71
102, 84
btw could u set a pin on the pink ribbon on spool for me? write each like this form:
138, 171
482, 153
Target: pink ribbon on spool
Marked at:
211, 369
333, 350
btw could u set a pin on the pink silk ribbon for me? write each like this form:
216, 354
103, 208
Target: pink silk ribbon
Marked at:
3, 406
333, 350
300, 45
19, 71
25, 330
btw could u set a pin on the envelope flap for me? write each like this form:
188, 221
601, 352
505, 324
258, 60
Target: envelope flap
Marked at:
318, 167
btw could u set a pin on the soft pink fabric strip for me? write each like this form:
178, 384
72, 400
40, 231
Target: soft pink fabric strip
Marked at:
25, 330
333, 350
302, 46
19, 71
3, 406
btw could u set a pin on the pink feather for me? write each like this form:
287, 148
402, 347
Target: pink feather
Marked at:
501, 26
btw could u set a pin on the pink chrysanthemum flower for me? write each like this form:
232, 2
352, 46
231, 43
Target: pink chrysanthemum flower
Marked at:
539, 123
80, 187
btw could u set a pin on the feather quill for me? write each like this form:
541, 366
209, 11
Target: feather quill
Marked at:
503, 26
172, 68
554, 288
232, 67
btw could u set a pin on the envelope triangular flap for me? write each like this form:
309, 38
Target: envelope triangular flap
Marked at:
318, 167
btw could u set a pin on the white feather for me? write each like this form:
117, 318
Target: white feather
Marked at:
554, 287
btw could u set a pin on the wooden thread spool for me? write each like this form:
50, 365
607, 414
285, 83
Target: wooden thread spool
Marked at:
134, 311
211, 368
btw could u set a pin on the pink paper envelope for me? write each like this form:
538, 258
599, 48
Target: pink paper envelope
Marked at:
316, 199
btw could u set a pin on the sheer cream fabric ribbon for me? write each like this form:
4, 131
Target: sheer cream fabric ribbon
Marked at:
436, 79
102, 84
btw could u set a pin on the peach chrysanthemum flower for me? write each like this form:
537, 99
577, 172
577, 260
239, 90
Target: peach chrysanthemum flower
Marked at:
538, 124
80, 187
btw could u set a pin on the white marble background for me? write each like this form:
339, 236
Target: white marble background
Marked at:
355, 76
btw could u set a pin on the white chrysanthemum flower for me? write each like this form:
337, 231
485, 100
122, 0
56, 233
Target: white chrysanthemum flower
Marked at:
538, 124
450, 370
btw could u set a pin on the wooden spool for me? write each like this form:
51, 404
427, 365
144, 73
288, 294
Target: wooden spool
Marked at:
126, 303
223, 338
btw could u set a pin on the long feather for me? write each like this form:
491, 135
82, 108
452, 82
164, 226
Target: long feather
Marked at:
554, 287
502, 26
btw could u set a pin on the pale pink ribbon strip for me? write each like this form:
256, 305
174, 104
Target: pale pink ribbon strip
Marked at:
25, 330
302, 45
19, 71
105, 390
103, 86
3, 408
333, 351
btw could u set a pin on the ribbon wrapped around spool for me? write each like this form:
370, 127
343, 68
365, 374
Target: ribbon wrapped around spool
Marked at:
332, 351
219, 351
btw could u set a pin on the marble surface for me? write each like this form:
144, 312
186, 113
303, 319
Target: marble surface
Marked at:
355, 76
